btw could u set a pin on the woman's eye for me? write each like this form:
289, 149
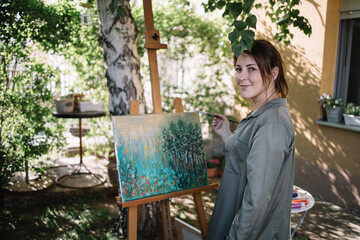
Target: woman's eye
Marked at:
238, 69
251, 69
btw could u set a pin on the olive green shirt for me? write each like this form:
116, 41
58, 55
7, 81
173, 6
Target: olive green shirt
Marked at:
254, 198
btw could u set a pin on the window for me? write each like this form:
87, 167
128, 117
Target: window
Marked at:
347, 82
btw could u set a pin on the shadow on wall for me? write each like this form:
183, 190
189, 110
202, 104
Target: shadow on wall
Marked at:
327, 162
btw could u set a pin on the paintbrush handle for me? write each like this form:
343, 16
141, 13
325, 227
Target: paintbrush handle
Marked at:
213, 115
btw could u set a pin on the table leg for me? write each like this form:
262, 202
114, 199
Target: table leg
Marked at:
80, 137
77, 171
296, 228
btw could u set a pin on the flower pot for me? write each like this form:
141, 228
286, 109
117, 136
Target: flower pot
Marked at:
221, 172
89, 106
334, 114
211, 172
64, 105
352, 120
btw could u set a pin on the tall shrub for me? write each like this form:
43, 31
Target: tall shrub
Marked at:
27, 128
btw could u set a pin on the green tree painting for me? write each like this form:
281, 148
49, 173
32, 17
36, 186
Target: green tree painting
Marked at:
183, 147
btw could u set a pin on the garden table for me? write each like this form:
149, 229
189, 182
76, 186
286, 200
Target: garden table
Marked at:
309, 202
63, 180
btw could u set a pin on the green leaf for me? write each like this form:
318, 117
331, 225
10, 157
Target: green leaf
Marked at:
226, 12
248, 3
221, 4
235, 9
251, 21
237, 49
240, 25
234, 35
249, 45
112, 6
248, 36
120, 10
243, 43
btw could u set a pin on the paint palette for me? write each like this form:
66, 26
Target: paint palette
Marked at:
301, 201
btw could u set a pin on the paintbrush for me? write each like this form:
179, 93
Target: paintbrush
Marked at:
213, 115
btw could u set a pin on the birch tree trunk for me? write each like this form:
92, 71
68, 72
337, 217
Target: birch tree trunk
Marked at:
118, 38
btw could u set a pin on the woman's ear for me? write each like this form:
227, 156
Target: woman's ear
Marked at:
274, 73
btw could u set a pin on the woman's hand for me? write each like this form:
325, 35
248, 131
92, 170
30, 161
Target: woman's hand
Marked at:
221, 126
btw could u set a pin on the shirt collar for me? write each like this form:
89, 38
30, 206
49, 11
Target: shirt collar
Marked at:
268, 105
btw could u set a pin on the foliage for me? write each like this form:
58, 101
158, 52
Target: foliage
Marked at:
47, 25
25, 132
80, 220
243, 21
352, 109
26, 129
190, 36
330, 102
181, 28
84, 54
212, 97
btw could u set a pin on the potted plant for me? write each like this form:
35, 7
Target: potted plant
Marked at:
334, 108
352, 115
65, 104
212, 166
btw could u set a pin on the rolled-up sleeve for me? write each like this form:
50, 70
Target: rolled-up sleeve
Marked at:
267, 150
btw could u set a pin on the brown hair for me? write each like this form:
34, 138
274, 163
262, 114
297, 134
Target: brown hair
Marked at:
267, 57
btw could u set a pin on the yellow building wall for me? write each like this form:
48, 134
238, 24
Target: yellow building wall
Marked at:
327, 159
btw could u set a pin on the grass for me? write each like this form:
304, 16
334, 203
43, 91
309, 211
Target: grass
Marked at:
88, 218
83, 219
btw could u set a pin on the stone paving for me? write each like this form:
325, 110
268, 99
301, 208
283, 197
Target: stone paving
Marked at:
323, 221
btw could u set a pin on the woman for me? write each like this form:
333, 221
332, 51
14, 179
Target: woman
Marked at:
254, 199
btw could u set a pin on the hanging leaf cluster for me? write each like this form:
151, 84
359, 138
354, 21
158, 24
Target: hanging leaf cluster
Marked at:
243, 21
117, 6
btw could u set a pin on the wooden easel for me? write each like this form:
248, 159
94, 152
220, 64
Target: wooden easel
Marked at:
135, 206
152, 43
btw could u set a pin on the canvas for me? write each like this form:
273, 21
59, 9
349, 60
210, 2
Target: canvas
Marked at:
158, 154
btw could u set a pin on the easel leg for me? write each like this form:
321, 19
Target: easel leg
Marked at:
166, 219
132, 222
201, 214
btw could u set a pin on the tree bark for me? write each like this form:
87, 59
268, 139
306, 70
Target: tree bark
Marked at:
118, 38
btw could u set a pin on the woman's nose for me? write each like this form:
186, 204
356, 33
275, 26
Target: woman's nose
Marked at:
240, 76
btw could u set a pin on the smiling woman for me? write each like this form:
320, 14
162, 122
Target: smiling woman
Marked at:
255, 193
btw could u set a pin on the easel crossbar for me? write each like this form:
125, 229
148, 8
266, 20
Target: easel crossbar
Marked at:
165, 196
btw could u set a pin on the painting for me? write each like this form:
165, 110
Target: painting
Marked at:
158, 154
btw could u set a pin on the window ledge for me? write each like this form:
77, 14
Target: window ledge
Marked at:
338, 125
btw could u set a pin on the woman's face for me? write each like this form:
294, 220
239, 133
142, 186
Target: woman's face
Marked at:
248, 78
